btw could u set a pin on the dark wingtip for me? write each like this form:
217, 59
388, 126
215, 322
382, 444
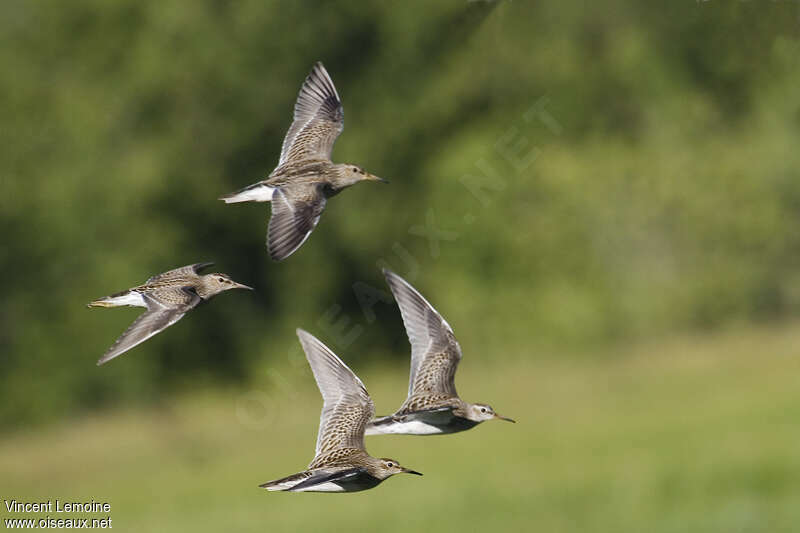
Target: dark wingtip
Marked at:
277, 255
202, 266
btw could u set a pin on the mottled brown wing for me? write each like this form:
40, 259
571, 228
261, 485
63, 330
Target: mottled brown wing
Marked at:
318, 119
346, 405
435, 352
156, 319
295, 212
179, 273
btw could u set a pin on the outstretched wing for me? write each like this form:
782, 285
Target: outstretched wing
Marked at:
435, 352
155, 320
318, 119
346, 405
178, 273
295, 212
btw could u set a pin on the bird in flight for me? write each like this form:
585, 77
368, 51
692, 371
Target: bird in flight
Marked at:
341, 462
305, 177
167, 297
433, 405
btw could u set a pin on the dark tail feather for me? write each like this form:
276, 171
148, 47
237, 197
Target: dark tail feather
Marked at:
285, 483
381, 421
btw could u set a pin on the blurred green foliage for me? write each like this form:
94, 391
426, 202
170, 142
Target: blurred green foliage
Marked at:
636, 165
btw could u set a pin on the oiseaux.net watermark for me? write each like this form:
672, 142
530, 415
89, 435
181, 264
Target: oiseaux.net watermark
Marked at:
57, 514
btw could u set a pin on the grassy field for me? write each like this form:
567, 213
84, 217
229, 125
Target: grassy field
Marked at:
688, 434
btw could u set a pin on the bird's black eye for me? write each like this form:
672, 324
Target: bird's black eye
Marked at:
221, 280
483, 409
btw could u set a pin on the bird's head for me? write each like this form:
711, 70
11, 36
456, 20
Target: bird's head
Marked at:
480, 412
389, 467
352, 174
212, 284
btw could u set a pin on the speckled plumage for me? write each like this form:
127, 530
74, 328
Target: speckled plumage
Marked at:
341, 462
168, 297
305, 176
432, 405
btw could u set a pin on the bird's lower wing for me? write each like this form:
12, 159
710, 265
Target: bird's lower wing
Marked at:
439, 415
285, 483
152, 321
295, 212
319, 478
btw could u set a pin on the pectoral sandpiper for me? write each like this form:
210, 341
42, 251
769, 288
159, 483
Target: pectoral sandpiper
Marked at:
167, 297
341, 462
433, 405
305, 176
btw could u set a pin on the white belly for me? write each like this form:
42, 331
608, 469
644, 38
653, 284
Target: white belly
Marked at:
410, 427
322, 487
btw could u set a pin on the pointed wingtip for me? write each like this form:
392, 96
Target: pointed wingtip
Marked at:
396, 281
276, 254
303, 335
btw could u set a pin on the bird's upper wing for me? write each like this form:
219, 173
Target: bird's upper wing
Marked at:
295, 212
157, 318
435, 352
177, 273
346, 407
318, 119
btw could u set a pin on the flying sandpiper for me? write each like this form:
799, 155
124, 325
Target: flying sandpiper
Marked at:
167, 297
305, 177
433, 405
341, 462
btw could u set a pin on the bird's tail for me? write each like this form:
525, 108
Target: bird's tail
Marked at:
285, 483
119, 299
101, 302
376, 426
258, 192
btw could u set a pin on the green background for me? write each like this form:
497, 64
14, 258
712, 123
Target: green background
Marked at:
602, 200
